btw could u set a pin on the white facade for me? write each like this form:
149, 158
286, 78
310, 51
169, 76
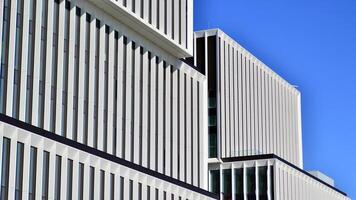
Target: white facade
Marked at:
41, 165
97, 102
167, 23
79, 71
257, 111
293, 184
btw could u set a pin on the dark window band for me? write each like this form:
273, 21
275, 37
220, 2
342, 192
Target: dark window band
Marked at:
272, 156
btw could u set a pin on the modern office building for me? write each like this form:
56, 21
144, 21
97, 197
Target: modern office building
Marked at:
252, 110
96, 104
254, 127
108, 99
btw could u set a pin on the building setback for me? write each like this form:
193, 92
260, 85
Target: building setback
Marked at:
254, 127
119, 99
252, 110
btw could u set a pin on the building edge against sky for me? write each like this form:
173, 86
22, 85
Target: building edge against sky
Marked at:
97, 101
255, 134
256, 110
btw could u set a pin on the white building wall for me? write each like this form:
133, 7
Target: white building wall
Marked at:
80, 73
80, 174
260, 112
295, 185
169, 23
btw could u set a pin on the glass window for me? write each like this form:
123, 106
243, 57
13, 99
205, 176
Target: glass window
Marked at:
271, 188
212, 102
150, 11
157, 15
212, 144
212, 120
262, 182
133, 66
81, 181
106, 85
212, 82
5, 169
91, 184
148, 193
17, 66
133, 6
180, 22
186, 23
42, 77
102, 184
69, 179
114, 144
112, 188
29, 84
124, 53
4, 57
54, 66
200, 54
156, 193
65, 70
57, 187
32, 178
86, 82
131, 190
227, 187
122, 186
239, 184
173, 18
45, 175
19, 171
215, 181
165, 17
96, 83
76, 74
251, 183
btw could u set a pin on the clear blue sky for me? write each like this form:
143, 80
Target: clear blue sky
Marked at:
312, 44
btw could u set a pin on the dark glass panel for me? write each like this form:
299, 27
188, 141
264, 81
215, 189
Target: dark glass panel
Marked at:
227, 187
215, 181
5, 169
239, 184
262, 183
251, 183
200, 54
